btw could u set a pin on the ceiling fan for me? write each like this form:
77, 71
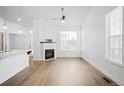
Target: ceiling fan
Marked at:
62, 18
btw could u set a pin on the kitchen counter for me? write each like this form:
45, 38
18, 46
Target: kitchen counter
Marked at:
11, 53
12, 63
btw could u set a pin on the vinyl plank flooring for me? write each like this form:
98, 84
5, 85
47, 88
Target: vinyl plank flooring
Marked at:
60, 72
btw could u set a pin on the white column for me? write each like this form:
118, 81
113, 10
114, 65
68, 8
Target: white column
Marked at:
36, 39
123, 36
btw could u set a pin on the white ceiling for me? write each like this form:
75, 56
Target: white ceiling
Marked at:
75, 14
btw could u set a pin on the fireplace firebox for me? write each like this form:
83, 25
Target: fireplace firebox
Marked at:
49, 54
48, 51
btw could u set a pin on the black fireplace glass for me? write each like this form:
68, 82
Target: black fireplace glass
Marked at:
49, 53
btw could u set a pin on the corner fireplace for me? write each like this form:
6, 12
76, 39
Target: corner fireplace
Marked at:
49, 54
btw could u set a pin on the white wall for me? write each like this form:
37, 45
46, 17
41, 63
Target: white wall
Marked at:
48, 31
51, 31
93, 44
75, 53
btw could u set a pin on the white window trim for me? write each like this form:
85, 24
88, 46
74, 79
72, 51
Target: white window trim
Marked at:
106, 37
60, 41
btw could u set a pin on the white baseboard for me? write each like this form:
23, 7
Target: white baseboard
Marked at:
37, 59
105, 73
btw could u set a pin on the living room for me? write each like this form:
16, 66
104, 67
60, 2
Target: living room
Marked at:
61, 45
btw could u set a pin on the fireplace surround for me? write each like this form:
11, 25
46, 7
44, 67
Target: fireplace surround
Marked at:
47, 51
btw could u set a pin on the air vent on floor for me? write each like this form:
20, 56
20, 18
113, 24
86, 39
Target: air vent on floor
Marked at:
106, 80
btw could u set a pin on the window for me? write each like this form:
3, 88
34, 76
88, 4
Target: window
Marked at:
68, 40
114, 36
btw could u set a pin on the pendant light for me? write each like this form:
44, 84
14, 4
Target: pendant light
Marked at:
20, 29
4, 27
19, 14
19, 19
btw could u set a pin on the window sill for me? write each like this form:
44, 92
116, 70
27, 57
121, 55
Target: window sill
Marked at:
113, 62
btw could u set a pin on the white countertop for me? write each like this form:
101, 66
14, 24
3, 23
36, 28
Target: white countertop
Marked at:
11, 53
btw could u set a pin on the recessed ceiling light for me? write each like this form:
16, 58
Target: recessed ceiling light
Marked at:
19, 19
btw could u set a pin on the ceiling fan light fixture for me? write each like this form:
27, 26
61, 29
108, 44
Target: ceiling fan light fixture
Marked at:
62, 18
62, 21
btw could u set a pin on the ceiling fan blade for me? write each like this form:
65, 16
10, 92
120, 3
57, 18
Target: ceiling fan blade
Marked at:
55, 18
63, 16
